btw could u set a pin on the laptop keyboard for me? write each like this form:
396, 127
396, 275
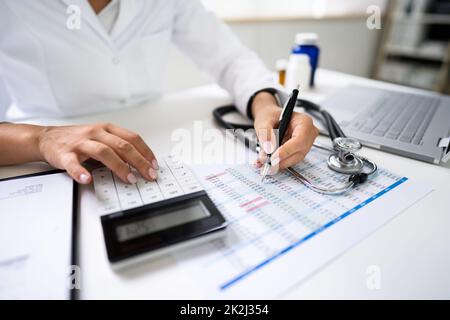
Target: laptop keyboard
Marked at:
397, 116
174, 180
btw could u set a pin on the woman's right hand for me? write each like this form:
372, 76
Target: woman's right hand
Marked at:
67, 147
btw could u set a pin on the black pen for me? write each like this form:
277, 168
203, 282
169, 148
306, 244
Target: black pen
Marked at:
285, 118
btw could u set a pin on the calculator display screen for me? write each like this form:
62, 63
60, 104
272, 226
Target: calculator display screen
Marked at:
191, 212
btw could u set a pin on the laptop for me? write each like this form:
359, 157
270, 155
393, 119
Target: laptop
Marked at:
414, 125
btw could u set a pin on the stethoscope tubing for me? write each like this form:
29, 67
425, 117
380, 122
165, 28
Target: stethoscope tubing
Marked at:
316, 188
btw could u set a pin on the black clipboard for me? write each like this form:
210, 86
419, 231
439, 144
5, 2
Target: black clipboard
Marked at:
74, 293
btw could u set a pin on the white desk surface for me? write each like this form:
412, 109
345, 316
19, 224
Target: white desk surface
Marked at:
412, 251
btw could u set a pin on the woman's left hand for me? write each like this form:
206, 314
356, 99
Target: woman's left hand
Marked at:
298, 139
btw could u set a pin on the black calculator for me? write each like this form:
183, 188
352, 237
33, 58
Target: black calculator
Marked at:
152, 218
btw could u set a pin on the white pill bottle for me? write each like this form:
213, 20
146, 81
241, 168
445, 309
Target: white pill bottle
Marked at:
298, 72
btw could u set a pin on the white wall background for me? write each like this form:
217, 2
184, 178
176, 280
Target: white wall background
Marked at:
244, 9
346, 44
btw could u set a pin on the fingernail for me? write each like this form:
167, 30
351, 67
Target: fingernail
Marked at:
268, 147
84, 178
275, 159
131, 178
155, 164
152, 173
273, 170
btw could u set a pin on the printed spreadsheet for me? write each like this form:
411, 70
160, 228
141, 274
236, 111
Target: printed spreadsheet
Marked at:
268, 220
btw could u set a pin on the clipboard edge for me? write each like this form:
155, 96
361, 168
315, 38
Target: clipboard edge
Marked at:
73, 292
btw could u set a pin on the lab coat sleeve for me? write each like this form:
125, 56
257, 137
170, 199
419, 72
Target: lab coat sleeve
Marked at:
4, 98
214, 48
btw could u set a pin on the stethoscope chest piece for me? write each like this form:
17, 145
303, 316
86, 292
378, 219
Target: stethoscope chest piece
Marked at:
353, 166
344, 160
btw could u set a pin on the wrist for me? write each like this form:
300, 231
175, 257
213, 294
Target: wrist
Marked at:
262, 102
19, 143
33, 137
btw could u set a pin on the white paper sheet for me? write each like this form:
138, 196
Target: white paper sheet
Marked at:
281, 232
35, 237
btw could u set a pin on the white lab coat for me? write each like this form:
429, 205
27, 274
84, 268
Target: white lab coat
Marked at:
53, 71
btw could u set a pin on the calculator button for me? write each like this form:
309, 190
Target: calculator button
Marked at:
102, 183
187, 180
128, 201
131, 204
101, 171
105, 193
173, 164
128, 195
147, 187
152, 197
163, 172
166, 179
106, 196
172, 159
107, 207
192, 188
182, 173
137, 174
171, 184
171, 192
123, 187
176, 167
130, 198
102, 176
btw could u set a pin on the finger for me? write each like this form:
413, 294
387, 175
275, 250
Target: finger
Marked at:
262, 157
72, 165
266, 133
137, 142
129, 153
292, 160
109, 158
296, 148
286, 163
277, 165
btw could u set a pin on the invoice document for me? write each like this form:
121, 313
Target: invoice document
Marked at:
280, 232
35, 237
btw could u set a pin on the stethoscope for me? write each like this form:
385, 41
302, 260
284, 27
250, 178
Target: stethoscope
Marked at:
342, 159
